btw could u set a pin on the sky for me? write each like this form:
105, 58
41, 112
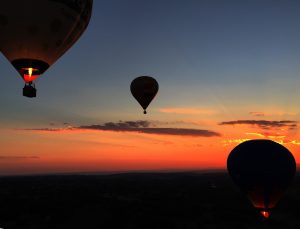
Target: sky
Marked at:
228, 71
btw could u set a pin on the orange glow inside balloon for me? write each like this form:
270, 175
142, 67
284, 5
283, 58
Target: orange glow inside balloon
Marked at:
265, 214
30, 74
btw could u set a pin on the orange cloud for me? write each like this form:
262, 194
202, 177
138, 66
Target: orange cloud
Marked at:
256, 134
188, 111
234, 141
267, 135
281, 139
261, 113
295, 142
258, 113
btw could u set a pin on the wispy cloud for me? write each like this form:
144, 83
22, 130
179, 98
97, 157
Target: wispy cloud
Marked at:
281, 141
260, 113
43, 129
294, 142
256, 134
187, 111
145, 127
140, 126
18, 157
49, 129
257, 113
273, 136
264, 124
126, 124
236, 141
279, 138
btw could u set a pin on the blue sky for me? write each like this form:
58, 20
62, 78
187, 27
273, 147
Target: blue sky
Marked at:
201, 50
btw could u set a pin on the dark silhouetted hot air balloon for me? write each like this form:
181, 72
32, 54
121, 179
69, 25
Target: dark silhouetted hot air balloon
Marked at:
144, 89
263, 169
35, 33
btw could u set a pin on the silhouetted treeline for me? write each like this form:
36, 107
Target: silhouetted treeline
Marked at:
188, 200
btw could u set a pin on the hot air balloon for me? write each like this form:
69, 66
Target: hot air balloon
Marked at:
144, 89
35, 33
263, 169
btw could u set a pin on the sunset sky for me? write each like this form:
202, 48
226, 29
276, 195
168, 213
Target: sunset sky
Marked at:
228, 71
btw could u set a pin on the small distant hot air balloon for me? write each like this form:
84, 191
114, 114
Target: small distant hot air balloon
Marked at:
144, 89
263, 169
35, 33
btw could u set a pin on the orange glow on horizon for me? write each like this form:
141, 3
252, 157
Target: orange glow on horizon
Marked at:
71, 149
96, 150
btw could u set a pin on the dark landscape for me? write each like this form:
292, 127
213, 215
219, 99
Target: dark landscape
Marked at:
177, 200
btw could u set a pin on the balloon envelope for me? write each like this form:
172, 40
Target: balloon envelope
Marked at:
35, 33
263, 169
144, 89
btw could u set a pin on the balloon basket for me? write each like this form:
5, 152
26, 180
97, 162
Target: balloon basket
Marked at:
29, 91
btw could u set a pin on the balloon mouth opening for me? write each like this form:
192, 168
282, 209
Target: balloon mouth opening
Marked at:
29, 74
29, 90
265, 213
30, 69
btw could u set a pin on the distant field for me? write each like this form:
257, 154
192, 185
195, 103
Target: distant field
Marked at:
185, 200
